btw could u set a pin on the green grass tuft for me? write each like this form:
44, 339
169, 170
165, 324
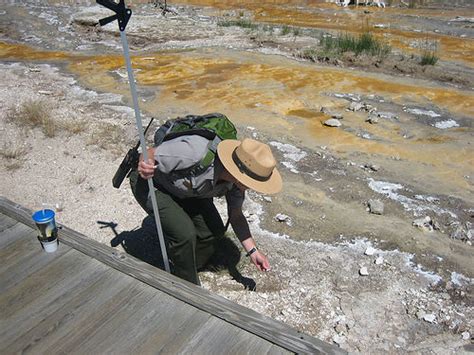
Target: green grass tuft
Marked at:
285, 30
244, 23
429, 58
365, 43
429, 55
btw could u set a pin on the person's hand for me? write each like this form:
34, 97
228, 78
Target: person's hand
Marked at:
260, 261
146, 169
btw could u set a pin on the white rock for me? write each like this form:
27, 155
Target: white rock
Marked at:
466, 336
339, 339
332, 123
424, 223
267, 198
370, 251
356, 106
363, 271
379, 260
280, 217
376, 207
420, 314
372, 119
430, 318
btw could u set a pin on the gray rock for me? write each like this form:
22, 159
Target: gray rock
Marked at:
280, 217
370, 251
372, 119
340, 328
430, 318
376, 207
356, 106
459, 233
420, 314
339, 339
379, 260
387, 115
337, 116
470, 234
425, 224
436, 225
373, 167
332, 122
369, 108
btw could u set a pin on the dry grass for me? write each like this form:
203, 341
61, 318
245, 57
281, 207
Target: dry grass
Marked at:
35, 114
75, 127
79, 178
13, 153
109, 137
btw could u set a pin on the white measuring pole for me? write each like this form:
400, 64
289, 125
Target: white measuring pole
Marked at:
138, 118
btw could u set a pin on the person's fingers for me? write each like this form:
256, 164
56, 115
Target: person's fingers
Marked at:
261, 262
266, 265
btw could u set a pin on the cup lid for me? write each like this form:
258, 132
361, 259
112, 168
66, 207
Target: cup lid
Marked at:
43, 216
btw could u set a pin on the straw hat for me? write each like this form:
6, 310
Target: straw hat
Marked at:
251, 163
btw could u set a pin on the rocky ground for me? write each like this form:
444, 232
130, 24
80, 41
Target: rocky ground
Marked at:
363, 253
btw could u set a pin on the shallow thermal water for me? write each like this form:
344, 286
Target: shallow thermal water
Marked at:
426, 124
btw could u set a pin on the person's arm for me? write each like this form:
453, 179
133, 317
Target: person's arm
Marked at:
242, 230
147, 169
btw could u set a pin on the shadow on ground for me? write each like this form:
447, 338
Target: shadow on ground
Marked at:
143, 244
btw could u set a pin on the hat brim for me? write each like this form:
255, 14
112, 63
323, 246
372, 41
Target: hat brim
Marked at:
269, 187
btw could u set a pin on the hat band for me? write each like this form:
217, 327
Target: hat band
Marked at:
244, 170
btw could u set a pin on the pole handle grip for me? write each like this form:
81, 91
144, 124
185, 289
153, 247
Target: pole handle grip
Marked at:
122, 14
104, 21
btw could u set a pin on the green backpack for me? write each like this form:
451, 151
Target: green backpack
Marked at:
214, 126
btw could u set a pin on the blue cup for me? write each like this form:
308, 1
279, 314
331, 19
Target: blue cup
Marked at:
46, 225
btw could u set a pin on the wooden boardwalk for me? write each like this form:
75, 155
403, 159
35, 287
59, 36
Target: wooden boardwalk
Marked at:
88, 298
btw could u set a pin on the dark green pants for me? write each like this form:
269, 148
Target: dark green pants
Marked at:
190, 226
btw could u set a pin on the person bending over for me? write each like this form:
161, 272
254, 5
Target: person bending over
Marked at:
190, 221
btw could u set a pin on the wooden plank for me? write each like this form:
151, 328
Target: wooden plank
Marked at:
182, 334
217, 336
81, 309
6, 222
13, 233
170, 323
83, 319
23, 256
152, 312
21, 240
26, 304
265, 327
277, 350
